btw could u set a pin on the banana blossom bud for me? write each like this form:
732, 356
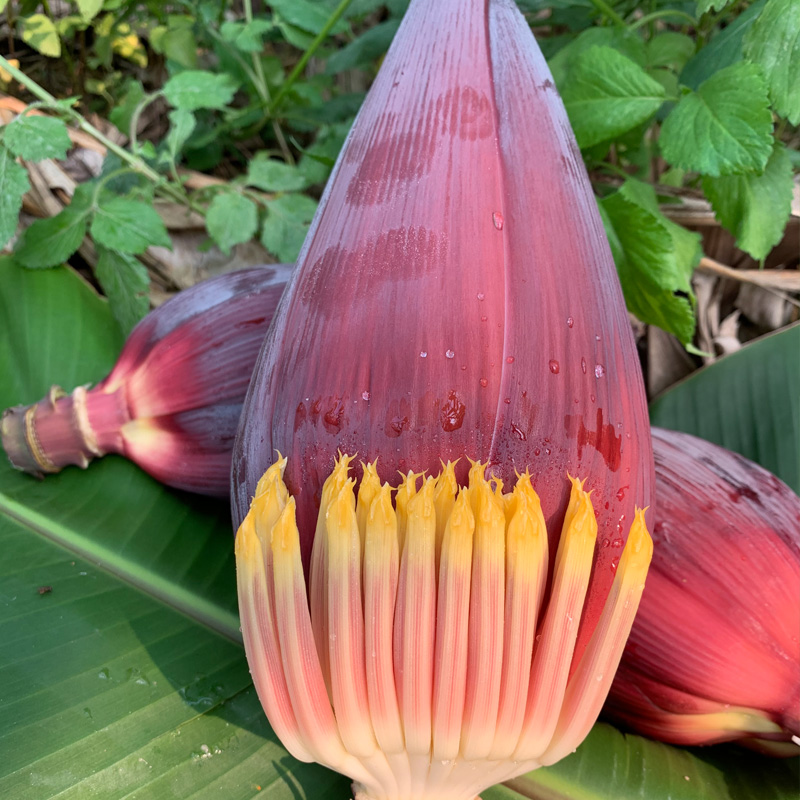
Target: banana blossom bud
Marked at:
455, 298
714, 654
172, 401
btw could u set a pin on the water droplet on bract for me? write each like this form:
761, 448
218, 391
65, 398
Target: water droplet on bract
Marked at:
599, 370
423, 354
483, 319
519, 433
450, 353
592, 397
597, 337
547, 451
621, 493
570, 322
614, 563
537, 451
554, 367
583, 365
365, 395
481, 296
510, 360
600, 677
507, 401
463, 367
606, 542
497, 218
484, 383
617, 543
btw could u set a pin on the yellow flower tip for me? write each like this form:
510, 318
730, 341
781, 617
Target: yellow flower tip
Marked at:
381, 510
341, 512
285, 536
421, 504
638, 550
580, 518
268, 506
246, 546
275, 472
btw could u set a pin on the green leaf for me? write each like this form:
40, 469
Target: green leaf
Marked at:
723, 49
755, 208
748, 402
607, 94
89, 8
773, 42
123, 111
246, 36
125, 282
364, 49
35, 138
723, 128
40, 33
127, 225
703, 6
286, 225
231, 219
49, 242
272, 175
654, 258
13, 184
610, 765
176, 40
628, 43
198, 88
670, 49
307, 16
319, 157
181, 126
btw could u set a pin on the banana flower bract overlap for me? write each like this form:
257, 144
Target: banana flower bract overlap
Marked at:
714, 654
455, 299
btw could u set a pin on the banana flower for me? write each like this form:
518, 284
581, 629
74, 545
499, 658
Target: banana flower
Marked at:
455, 299
714, 654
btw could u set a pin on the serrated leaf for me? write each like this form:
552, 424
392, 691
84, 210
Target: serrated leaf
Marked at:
286, 225
198, 88
89, 8
628, 43
755, 208
13, 184
40, 33
773, 42
35, 138
272, 175
305, 15
125, 283
654, 259
246, 36
181, 126
231, 219
129, 226
670, 49
607, 94
123, 111
50, 242
724, 128
364, 49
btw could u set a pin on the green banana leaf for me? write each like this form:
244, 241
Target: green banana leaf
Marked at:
121, 674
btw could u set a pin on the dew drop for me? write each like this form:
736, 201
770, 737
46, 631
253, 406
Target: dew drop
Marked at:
606, 542
463, 367
621, 493
597, 337
481, 296
537, 451
570, 322
450, 353
520, 434
423, 354
614, 563
617, 543
583, 365
599, 370
592, 397
507, 401
510, 360
547, 450
554, 367
365, 395
484, 382
498, 220
483, 319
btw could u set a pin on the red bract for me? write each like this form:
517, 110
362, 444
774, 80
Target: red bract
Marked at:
455, 299
714, 654
172, 401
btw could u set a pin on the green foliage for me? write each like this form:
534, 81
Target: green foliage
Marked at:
724, 128
231, 219
127, 225
125, 282
13, 184
286, 224
35, 138
197, 88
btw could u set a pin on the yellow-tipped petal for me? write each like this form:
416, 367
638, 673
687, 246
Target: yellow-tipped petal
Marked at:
444, 498
346, 625
367, 492
268, 506
452, 629
405, 491
381, 568
486, 622
556, 638
589, 684
415, 620
261, 639
275, 472
526, 575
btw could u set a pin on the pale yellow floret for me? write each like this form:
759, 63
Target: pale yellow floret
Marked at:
268, 506
405, 491
444, 497
367, 491
275, 472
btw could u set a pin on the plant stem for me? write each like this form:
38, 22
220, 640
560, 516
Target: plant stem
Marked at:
605, 8
138, 164
667, 12
312, 48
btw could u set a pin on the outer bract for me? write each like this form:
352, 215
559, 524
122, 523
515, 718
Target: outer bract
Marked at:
714, 654
455, 299
172, 401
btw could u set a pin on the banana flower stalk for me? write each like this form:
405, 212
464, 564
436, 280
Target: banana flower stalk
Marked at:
455, 299
714, 654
